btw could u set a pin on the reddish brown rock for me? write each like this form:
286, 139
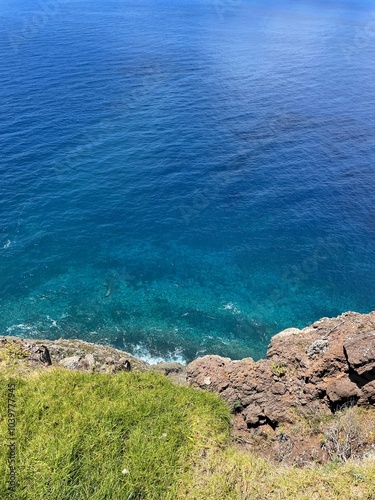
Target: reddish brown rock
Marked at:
318, 368
360, 355
369, 392
342, 390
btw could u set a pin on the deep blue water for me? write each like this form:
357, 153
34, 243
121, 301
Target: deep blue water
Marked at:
185, 177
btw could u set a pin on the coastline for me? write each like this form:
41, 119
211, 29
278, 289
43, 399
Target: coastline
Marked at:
325, 371
322, 343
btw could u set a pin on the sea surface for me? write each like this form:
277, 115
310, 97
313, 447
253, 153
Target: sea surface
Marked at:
183, 177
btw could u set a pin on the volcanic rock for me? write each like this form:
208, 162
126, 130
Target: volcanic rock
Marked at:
319, 368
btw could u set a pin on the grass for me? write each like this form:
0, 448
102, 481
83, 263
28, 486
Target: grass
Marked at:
13, 351
138, 436
77, 432
232, 474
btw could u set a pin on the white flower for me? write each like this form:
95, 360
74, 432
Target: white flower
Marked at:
125, 471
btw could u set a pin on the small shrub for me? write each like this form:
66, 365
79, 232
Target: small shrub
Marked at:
278, 369
237, 406
343, 438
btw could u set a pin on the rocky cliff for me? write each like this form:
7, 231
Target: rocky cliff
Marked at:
320, 368
285, 406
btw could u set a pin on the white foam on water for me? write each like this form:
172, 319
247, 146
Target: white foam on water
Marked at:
231, 307
53, 322
20, 329
141, 352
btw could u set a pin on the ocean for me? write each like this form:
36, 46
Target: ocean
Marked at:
180, 178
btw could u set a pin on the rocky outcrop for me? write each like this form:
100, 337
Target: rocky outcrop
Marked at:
76, 354
307, 376
319, 368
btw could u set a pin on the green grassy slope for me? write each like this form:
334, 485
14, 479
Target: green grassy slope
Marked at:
138, 436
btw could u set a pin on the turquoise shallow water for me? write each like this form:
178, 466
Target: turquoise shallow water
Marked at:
181, 178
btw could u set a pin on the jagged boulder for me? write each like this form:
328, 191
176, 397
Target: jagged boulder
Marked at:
342, 390
360, 352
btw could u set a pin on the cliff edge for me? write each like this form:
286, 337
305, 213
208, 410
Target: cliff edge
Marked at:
322, 367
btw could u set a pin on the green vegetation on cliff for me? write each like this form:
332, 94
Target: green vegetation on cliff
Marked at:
99, 436
138, 436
